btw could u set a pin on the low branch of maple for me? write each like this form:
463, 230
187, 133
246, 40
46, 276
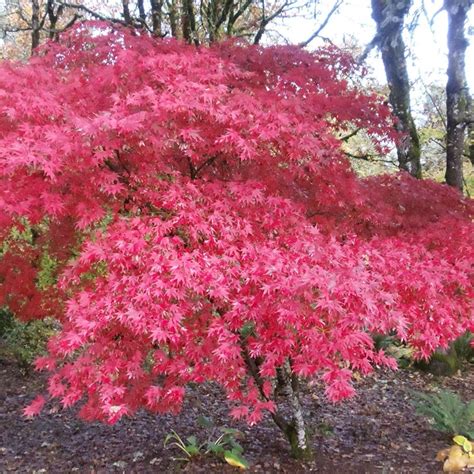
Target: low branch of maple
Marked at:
370, 158
194, 170
255, 373
345, 138
122, 164
206, 163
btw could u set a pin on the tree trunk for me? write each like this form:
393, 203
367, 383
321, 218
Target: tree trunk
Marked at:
35, 24
53, 17
294, 430
173, 16
188, 21
141, 12
156, 16
457, 95
389, 16
470, 135
126, 12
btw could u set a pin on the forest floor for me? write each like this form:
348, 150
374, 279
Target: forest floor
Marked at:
375, 432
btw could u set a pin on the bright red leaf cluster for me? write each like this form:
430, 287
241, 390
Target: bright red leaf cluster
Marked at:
202, 214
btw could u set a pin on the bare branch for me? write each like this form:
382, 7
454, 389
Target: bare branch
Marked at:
92, 13
440, 114
345, 138
333, 10
370, 46
265, 21
436, 14
371, 158
233, 18
224, 14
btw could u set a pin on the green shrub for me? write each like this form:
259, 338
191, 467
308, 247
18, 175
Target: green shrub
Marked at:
6, 322
447, 412
449, 361
395, 348
27, 341
222, 443
463, 348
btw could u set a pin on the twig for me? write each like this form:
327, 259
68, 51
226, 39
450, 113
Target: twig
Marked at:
345, 138
93, 13
370, 158
333, 10
370, 46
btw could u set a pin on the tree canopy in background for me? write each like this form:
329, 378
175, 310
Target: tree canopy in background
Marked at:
28, 22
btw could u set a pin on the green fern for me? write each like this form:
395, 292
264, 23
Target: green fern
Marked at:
447, 412
464, 348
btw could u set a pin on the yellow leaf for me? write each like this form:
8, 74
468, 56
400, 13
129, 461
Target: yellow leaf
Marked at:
459, 440
235, 460
467, 446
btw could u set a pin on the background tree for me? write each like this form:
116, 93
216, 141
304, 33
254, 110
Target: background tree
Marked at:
389, 16
457, 93
196, 22
26, 23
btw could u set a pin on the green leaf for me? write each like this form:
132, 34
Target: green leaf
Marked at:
215, 448
235, 460
447, 412
192, 449
467, 446
175, 436
233, 432
247, 329
204, 422
236, 447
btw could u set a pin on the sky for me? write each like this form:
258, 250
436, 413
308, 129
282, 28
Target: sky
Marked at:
353, 23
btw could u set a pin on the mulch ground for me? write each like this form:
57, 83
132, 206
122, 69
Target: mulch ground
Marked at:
375, 432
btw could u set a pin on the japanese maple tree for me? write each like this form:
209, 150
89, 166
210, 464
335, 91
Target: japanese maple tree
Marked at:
205, 225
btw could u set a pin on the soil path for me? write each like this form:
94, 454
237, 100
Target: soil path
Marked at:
376, 432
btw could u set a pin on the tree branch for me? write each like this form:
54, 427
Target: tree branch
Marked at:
333, 10
370, 158
233, 18
370, 46
345, 138
93, 13
224, 14
265, 21
254, 372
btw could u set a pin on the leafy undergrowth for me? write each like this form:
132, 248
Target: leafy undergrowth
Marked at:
378, 431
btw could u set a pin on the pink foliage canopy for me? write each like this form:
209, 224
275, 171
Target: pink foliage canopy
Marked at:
201, 212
